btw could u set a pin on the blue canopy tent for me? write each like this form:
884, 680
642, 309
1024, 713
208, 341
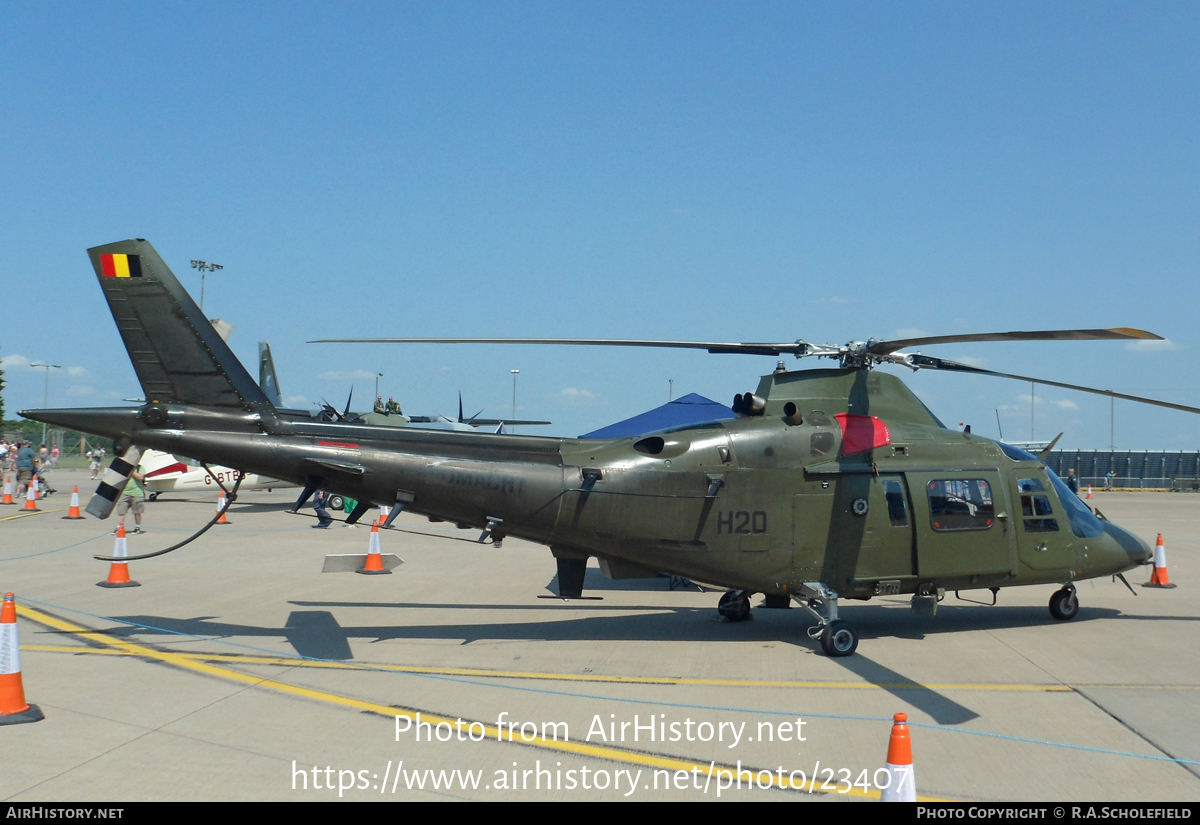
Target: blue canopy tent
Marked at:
682, 412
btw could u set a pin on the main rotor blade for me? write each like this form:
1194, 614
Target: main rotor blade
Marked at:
925, 362
1116, 334
711, 346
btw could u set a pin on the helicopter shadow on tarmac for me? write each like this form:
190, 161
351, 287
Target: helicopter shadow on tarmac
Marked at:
318, 634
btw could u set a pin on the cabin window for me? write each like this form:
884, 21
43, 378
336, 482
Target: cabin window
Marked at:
961, 504
897, 508
1083, 523
1034, 505
1037, 506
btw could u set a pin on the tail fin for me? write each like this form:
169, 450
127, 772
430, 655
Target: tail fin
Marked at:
177, 354
268, 381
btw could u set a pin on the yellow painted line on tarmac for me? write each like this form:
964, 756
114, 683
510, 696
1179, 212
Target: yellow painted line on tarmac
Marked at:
711, 770
284, 661
25, 513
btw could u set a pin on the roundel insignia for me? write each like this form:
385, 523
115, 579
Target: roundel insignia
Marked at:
860, 506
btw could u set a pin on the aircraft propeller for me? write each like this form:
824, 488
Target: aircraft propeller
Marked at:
329, 412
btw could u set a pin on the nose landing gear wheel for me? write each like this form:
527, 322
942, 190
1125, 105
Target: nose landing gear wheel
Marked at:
734, 606
839, 639
1064, 604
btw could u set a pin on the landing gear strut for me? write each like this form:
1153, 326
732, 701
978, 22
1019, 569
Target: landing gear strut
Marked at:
1064, 604
734, 606
838, 638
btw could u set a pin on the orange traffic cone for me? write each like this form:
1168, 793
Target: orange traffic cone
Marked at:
374, 563
902, 786
8, 499
14, 710
31, 496
1089, 495
118, 574
1159, 577
221, 509
73, 513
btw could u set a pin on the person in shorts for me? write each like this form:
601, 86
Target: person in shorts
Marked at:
133, 497
26, 467
94, 463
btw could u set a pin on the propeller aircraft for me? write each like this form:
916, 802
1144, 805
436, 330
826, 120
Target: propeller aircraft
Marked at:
831, 484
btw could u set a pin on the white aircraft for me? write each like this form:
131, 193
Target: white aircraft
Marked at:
165, 473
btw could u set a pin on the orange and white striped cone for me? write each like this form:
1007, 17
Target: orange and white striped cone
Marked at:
73, 513
374, 563
118, 573
902, 786
8, 498
1159, 577
221, 509
1089, 495
31, 496
14, 710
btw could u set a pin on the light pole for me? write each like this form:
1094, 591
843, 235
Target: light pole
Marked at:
1032, 399
514, 412
46, 393
204, 266
378, 375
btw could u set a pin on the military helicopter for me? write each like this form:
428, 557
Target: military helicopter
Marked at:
832, 483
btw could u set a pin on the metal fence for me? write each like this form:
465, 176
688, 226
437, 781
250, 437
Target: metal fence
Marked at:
1131, 469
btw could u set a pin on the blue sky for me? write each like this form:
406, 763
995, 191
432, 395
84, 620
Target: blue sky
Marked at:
739, 172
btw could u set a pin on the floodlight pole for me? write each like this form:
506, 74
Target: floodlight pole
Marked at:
1032, 400
671, 391
204, 266
46, 392
378, 375
514, 410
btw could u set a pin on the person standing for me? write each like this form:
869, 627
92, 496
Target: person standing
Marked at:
1072, 481
1108, 481
26, 464
133, 497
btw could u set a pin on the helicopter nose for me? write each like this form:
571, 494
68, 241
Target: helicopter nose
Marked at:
1139, 551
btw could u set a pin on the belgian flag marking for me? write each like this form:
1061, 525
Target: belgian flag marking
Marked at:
121, 266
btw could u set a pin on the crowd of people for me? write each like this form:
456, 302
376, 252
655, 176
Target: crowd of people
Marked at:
28, 464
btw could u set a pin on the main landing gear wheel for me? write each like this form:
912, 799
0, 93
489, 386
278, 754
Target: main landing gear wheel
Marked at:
839, 639
734, 606
1064, 604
